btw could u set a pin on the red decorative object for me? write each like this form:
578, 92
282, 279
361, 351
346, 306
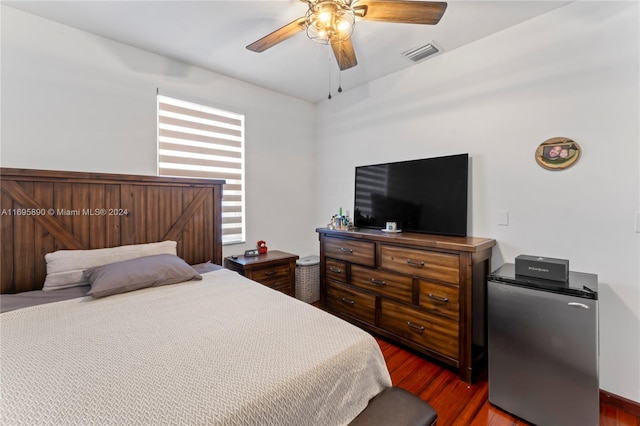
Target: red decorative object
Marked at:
262, 247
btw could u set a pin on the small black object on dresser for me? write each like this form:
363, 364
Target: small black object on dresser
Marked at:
251, 253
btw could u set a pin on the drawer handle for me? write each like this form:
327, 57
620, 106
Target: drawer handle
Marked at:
374, 281
348, 302
417, 327
414, 263
336, 270
270, 273
346, 250
439, 299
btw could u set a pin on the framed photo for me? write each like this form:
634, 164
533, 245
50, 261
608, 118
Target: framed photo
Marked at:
557, 153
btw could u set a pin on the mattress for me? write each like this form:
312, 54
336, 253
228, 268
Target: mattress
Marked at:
221, 351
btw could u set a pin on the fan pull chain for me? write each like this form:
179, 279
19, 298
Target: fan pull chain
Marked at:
340, 69
329, 97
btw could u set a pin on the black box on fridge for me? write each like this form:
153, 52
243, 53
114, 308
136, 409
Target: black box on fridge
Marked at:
546, 268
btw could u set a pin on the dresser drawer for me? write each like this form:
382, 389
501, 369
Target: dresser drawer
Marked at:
277, 277
270, 275
281, 286
386, 284
421, 263
351, 302
431, 331
336, 270
361, 252
441, 298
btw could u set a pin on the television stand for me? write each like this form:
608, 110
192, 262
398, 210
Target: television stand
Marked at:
426, 292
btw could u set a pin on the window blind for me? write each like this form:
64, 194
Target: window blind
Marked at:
203, 142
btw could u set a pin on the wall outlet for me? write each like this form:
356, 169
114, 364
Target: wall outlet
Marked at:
503, 217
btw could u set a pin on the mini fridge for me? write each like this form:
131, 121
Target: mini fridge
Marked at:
543, 347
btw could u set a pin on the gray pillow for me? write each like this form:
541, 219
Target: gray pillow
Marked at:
135, 274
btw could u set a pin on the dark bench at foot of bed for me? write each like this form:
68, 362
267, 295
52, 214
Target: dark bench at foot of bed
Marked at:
396, 406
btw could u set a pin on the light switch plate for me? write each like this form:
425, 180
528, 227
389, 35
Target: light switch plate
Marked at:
503, 217
637, 221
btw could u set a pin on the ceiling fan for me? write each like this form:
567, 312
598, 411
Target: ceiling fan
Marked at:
332, 22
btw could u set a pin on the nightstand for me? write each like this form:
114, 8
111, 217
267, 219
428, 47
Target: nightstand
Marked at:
275, 269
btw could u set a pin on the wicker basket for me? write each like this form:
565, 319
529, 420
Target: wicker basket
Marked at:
308, 279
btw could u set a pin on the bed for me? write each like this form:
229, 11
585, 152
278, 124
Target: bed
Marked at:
214, 348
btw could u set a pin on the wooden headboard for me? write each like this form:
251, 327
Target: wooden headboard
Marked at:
44, 211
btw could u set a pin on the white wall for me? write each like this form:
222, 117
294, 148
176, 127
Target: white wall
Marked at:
573, 72
75, 101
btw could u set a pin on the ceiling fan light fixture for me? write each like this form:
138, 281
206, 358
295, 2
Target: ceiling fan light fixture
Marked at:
329, 21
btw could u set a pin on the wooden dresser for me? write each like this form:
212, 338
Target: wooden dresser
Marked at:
275, 269
427, 292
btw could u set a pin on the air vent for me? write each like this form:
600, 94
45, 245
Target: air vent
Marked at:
420, 53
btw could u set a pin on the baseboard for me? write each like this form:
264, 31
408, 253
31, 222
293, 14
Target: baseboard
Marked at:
620, 403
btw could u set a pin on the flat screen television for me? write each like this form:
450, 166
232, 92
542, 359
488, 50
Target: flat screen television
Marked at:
427, 195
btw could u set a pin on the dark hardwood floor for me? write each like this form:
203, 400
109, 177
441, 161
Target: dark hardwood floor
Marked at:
460, 404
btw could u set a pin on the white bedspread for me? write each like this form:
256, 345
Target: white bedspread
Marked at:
223, 351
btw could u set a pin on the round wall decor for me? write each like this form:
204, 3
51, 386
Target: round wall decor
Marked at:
557, 153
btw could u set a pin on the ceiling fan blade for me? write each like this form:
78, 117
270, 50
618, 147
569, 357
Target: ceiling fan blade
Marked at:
409, 12
344, 53
279, 35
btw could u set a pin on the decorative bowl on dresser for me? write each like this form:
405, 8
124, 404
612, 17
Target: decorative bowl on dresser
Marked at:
427, 292
275, 269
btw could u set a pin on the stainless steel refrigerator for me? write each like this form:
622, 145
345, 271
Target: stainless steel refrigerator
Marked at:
543, 347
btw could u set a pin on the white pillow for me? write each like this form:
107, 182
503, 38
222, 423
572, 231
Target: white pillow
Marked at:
65, 267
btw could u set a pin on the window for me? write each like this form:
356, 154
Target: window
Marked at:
203, 142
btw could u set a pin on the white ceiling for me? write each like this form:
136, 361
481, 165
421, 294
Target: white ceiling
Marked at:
213, 35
